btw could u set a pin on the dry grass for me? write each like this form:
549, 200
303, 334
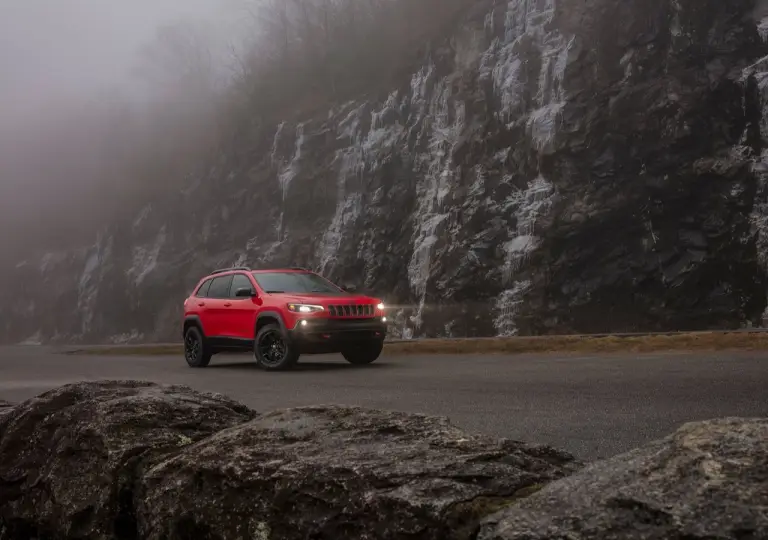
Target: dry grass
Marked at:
709, 341
699, 341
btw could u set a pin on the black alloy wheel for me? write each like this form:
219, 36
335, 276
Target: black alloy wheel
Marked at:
196, 352
272, 348
273, 351
361, 354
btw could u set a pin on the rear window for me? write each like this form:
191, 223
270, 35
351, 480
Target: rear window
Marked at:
202, 292
220, 287
294, 282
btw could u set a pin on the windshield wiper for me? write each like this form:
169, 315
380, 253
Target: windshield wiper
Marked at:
274, 292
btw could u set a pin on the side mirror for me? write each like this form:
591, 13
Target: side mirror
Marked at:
245, 292
350, 288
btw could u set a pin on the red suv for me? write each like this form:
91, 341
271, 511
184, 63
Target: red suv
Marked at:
280, 314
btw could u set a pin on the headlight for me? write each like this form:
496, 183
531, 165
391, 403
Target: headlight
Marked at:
380, 307
305, 308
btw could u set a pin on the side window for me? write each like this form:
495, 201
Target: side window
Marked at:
239, 281
220, 287
202, 292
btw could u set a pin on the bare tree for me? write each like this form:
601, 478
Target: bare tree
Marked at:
178, 58
335, 48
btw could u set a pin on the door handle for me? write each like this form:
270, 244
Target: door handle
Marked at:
227, 304
201, 303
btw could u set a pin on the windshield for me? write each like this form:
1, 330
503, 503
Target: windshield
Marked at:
294, 282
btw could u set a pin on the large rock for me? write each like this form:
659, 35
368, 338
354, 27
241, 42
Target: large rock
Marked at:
709, 480
340, 473
130, 460
5, 407
70, 458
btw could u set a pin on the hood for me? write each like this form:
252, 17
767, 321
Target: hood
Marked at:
326, 299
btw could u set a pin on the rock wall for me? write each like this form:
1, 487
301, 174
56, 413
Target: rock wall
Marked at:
554, 166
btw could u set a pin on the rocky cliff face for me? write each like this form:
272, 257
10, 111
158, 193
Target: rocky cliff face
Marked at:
554, 166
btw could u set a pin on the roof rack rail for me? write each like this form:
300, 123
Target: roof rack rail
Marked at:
222, 270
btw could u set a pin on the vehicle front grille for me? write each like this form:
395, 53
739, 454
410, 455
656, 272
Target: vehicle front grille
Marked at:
351, 310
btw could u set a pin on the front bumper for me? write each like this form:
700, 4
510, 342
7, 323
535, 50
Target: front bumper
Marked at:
330, 335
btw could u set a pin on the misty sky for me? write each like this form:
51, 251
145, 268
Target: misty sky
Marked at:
57, 49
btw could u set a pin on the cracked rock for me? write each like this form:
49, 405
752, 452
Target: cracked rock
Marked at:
340, 473
708, 480
69, 458
130, 460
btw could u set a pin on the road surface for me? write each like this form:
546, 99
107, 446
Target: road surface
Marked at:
592, 406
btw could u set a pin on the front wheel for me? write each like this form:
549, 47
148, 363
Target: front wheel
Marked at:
363, 353
197, 353
273, 351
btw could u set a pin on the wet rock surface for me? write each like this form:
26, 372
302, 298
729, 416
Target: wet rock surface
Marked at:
708, 480
340, 473
570, 166
5, 407
71, 458
132, 460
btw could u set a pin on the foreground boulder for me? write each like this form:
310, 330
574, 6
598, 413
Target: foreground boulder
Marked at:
70, 458
130, 460
133, 460
340, 473
5, 407
709, 480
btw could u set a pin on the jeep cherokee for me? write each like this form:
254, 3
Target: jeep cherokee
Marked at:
280, 314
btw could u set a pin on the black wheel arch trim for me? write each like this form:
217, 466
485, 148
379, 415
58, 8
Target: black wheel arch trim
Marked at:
195, 320
270, 315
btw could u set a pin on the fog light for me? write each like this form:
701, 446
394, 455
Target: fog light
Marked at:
303, 323
383, 319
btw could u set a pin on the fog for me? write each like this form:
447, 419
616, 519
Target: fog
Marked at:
107, 105
73, 72
52, 51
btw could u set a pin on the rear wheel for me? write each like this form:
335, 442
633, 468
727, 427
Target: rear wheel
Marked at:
272, 349
197, 353
363, 353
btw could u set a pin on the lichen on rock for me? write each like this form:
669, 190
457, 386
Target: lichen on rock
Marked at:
71, 457
128, 460
707, 480
342, 473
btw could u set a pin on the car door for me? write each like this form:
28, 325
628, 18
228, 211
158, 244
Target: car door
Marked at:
216, 304
199, 304
241, 315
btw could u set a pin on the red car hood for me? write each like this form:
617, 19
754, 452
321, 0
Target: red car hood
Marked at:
325, 300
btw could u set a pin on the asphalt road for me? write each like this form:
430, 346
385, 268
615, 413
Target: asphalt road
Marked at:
592, 406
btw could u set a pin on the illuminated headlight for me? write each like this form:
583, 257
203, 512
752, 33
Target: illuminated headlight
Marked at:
303, 323
380, 306
305, 308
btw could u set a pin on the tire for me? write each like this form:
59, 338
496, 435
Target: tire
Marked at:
364, 353
197, 352
273, 350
